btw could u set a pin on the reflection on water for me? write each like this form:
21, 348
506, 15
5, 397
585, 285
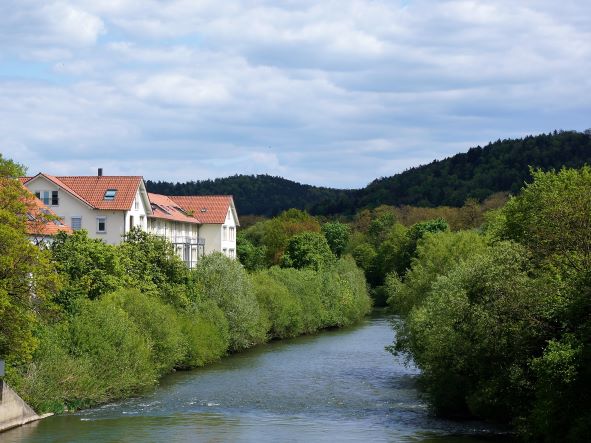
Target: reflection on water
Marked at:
337, 386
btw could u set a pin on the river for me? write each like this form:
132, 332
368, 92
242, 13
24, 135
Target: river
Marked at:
338, 386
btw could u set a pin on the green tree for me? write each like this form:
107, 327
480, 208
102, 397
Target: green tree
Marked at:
27, 278
307, 250
337, 235
225, 282
89, 266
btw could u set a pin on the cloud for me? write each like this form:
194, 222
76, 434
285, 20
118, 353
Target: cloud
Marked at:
333, 93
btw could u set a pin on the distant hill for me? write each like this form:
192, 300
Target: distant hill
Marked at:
260, 194
478, 173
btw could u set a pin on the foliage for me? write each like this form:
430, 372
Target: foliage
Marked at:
206, 333
437, 254
282, 308
251, 256
501, 166
474, 334
307, 250
90, 267
552, 217
337, 235
225, 282
158, 322
151, 264
501, 328
27, 277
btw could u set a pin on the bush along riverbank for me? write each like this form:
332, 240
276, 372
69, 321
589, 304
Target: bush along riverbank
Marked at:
122, 316
499, 319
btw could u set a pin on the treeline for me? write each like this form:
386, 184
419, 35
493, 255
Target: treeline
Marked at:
83, 322
502, 166
498, 318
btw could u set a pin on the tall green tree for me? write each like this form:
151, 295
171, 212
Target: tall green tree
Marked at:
27, 278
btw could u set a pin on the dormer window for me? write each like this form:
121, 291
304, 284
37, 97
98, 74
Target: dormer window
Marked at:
110, 194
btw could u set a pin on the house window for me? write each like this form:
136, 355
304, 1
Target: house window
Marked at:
232, 253
141, 220
232, 233
101, 225
76, 223
110, 194
136, 204
225, 251
49, 198
225, 233
131, 225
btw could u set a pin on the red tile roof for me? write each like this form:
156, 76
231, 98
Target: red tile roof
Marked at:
207, 208
42, 220
165, 208
91, 189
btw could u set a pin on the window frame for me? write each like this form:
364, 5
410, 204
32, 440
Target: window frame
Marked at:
98, 224
77, 217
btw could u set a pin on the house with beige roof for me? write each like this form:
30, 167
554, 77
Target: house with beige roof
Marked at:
107, 207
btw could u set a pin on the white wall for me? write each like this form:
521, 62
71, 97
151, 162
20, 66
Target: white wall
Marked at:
70, 206
215, 240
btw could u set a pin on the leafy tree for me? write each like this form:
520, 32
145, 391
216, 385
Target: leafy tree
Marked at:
151, 264
27, 278
251, 256
224, 281
90, 267
475, 332
337, 235
436, 255
307, 250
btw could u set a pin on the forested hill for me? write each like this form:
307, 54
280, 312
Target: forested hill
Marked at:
480, 172
260, 194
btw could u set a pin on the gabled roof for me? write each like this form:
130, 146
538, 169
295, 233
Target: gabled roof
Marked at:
207, 208
165, 208
91, 189
42, 220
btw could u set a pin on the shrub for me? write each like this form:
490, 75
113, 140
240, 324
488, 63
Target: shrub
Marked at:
158, 322
206, 333
283, 309
224, 281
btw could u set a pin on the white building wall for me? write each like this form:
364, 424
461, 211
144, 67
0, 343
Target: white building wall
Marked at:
117, 222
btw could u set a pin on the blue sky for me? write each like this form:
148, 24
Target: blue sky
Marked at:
332, 93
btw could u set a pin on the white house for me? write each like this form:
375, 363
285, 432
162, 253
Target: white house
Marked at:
217, 217
172, 222
109, 206
106, 206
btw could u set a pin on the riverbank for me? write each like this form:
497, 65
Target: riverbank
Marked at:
339, 385
121, 343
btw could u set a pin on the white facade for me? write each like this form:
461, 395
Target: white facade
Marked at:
188, 245
107, 225
221, 238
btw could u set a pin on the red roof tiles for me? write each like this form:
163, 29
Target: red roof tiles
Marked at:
42, 220
206, 208
91, 189
165, 208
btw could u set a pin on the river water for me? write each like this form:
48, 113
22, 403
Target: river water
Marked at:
338, 386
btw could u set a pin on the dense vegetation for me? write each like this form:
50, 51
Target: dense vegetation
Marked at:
502, 166
499, 319
84, 322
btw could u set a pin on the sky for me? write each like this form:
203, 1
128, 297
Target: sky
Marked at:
332, 93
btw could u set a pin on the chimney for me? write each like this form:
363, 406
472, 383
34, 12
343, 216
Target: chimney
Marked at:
100, 172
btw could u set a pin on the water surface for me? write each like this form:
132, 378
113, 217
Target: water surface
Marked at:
338, 386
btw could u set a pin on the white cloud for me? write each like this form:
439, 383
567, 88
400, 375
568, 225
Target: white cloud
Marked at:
332, 92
